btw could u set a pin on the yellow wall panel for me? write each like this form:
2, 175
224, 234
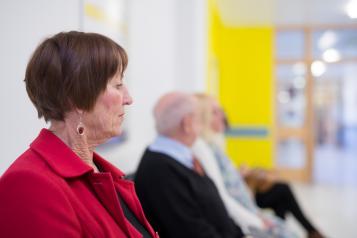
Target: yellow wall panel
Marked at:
240, 63
251, 152
245, 85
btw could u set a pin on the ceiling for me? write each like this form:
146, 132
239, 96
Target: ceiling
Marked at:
284, 12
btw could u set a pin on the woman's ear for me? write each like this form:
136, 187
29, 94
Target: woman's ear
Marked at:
79, 112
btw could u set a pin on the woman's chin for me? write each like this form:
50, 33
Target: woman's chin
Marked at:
117, 132
113, 132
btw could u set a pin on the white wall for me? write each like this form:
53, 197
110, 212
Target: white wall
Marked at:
167, 40
191, 44
166, 48
23, 24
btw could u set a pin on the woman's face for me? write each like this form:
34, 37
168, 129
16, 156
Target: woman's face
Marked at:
217, 122
105, 120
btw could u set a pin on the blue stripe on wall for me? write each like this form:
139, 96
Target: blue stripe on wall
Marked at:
260, 132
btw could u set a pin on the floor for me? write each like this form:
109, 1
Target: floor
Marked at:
332, 208
331, 200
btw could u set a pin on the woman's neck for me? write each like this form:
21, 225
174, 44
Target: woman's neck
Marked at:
66, 131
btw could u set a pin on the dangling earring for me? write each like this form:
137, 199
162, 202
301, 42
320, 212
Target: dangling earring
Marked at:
80, 126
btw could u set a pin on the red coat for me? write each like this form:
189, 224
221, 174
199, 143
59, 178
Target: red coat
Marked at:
48, 192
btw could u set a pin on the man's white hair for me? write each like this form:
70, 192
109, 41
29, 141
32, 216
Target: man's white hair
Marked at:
171, 109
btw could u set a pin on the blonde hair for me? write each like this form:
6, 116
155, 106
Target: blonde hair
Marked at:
205, 107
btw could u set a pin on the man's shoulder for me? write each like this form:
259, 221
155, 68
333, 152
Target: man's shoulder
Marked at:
156, 164
157, 159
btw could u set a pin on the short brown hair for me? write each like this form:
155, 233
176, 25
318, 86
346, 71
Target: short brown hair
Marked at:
70, 70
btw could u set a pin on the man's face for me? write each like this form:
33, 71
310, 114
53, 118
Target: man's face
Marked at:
194, 126
196, 121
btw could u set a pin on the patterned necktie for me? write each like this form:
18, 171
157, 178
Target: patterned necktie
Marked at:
197, 167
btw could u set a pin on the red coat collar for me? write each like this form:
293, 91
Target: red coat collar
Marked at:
63, 160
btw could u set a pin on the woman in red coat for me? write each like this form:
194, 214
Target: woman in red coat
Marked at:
60, 187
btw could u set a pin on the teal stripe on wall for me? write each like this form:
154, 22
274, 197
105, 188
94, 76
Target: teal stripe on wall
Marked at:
260, 132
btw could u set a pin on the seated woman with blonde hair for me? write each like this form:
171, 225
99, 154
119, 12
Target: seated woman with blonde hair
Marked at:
237, 196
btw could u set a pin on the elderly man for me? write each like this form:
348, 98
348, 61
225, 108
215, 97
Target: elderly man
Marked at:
177, 196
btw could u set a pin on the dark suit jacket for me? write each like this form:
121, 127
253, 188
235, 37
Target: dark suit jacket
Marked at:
179, 202
49, 192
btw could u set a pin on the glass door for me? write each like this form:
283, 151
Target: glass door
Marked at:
294, 144
335, 105
316, 103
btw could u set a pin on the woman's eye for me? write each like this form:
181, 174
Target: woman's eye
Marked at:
118, 86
